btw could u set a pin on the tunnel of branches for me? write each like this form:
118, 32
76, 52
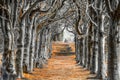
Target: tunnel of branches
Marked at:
28, 27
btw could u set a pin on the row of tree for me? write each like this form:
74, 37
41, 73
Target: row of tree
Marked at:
28, 27
98, 42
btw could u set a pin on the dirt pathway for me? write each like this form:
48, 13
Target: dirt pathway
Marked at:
60, 68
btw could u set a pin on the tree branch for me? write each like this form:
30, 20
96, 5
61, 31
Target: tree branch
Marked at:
32, 6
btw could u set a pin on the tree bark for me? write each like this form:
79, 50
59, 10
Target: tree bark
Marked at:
113, 53
20, 50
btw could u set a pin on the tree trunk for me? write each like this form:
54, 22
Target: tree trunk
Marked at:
28, 44
94, 56
114, 47
32, 53
83, 51
102, 46
8, 63
89, 46
20, 51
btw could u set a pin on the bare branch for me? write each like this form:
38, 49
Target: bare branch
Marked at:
32, 6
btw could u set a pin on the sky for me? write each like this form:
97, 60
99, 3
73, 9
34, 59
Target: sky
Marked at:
68, 36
